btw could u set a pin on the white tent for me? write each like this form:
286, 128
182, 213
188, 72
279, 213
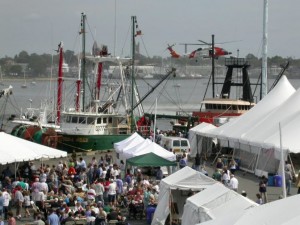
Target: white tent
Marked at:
196, 138
185, 179
214, 202
283, 211
147, 147
14, 149
232, 130
249, 131
134, 138
131, 149
270, 124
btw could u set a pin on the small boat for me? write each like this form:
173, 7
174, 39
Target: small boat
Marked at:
33, 83
177, 85
24, 85
148, 76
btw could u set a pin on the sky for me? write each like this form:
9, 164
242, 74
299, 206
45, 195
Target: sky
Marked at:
37, 26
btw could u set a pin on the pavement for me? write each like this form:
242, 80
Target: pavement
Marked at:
247, 182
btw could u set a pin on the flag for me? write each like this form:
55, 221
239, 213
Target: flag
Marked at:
138, 32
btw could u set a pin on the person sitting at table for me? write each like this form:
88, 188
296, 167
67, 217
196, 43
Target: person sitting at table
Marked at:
102, 213
90, 219
69, 218
78, 208
64, 208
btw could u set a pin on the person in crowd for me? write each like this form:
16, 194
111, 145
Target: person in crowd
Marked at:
232, 166
7, 197
27, 203
19, 199
233, 183
225, 177
53, 218
297, 183
159, 174
219, 164
1, 204
183, 161
217, 175
263, 188
99, 190
38, 221
259, 199
11, 219
112, 192
244, 193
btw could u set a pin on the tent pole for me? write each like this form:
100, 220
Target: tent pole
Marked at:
258, 156
154, 129
282, 164
293, 168
170, 208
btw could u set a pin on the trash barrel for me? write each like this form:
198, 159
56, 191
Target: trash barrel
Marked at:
271, 182
277, 181
150, 212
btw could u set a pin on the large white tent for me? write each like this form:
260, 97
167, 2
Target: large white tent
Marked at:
233, 129
269, 125
283, 211
134, 138
185, 179
216, 201
14, 150
196, 138
127, 151
250, 134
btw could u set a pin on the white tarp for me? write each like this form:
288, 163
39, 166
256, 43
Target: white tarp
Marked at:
134, 138
195, 137
233, 130
268, 126
131, 149
184, 179
214, 202
14, 149
283, 211
146, 147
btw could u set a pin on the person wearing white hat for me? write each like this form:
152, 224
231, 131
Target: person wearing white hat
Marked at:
233, 183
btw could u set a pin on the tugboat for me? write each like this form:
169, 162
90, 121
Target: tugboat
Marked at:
218, 110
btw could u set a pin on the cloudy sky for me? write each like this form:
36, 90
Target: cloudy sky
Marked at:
37, 26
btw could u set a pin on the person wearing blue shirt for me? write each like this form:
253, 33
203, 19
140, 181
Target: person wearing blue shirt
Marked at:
1, 204
53, 218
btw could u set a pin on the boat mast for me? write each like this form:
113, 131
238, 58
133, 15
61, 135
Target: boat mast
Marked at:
83, 60
99, 76
264, 77
59, 82
78, 90
213, 64
133, 20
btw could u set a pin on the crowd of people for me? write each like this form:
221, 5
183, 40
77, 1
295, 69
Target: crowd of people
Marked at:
97, 192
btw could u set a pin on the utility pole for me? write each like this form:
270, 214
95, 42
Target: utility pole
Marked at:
213, 64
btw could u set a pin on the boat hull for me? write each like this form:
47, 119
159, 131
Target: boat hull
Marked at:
80, 143
208, 117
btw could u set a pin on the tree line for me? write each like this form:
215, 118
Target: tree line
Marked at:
35, 65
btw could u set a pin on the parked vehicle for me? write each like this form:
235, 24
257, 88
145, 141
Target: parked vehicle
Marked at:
178, 145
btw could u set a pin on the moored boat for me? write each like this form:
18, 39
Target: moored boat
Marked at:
221, 109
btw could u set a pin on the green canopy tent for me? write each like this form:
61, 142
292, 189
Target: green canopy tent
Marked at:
149, 159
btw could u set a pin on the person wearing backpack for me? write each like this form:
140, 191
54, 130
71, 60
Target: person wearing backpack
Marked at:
183, 161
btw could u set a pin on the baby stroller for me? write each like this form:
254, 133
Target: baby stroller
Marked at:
135, 209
